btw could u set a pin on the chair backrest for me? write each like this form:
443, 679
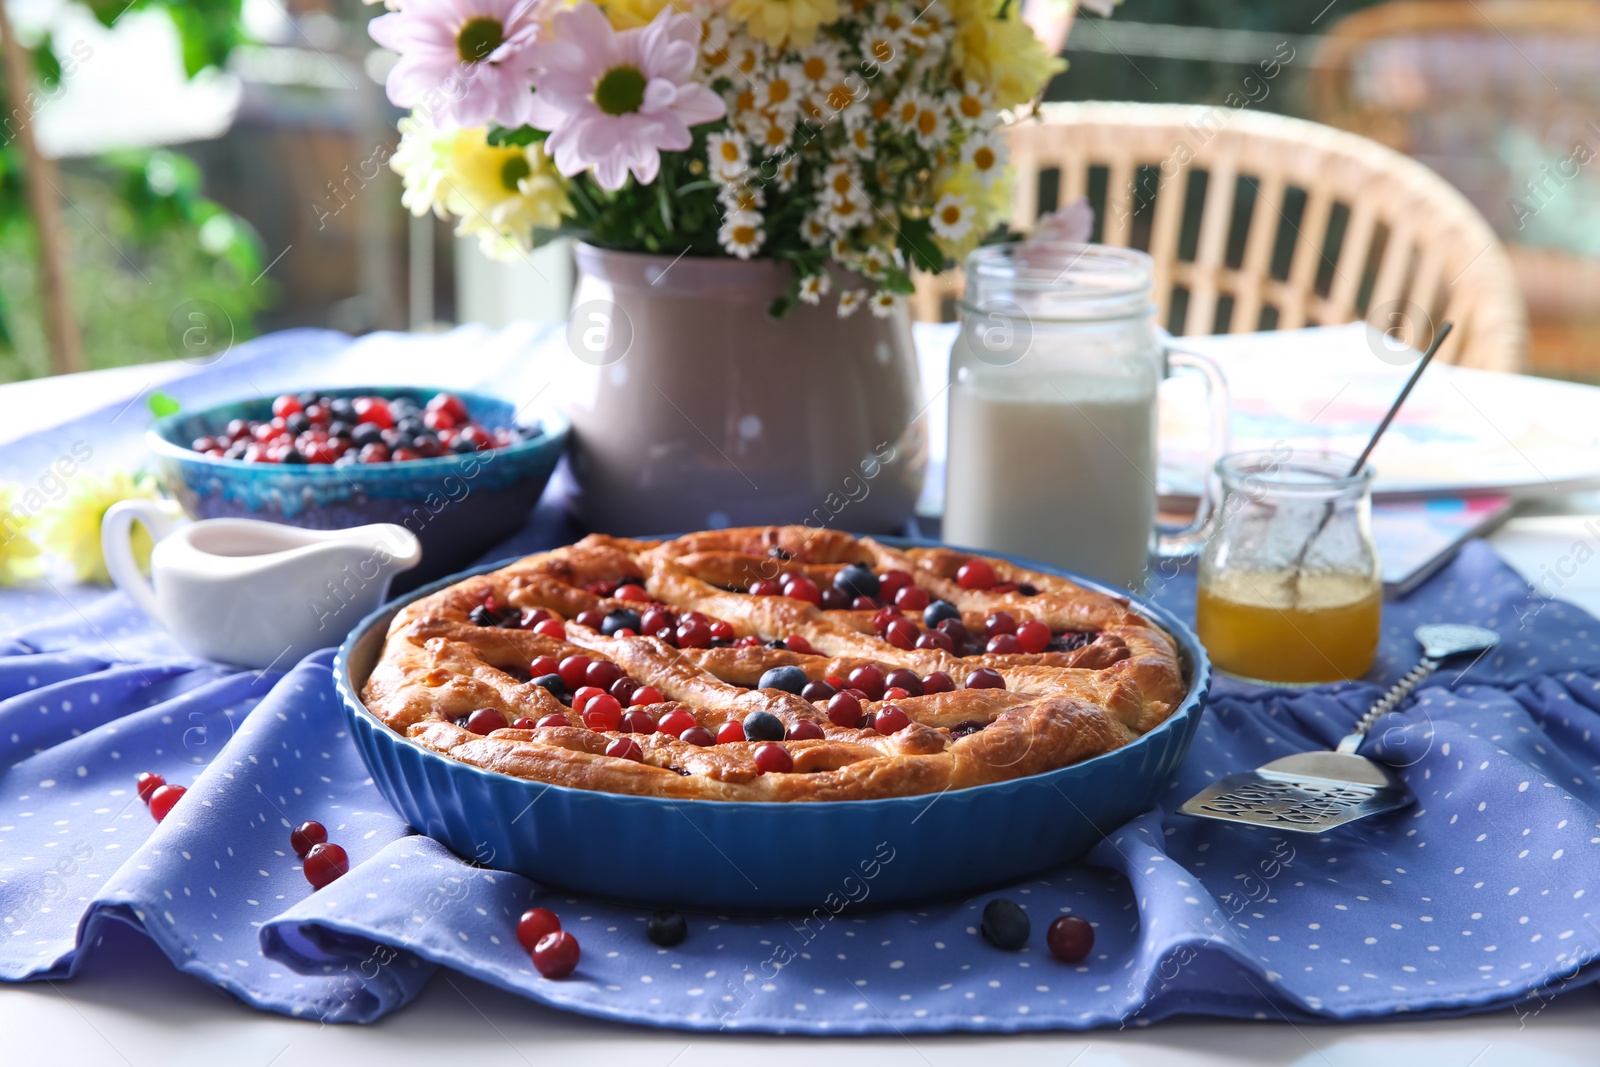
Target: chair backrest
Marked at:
1259, 221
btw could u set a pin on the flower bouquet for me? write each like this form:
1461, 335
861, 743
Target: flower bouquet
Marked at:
852, 139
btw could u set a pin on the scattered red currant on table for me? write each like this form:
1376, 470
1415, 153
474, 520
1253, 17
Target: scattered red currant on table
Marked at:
556, 954
326, 864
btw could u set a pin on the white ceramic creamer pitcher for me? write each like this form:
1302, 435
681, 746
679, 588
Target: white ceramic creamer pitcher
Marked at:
255, 594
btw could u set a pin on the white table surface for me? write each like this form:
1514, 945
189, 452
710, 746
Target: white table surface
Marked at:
129, 1006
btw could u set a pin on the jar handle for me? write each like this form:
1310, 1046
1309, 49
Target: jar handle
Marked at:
1190, 539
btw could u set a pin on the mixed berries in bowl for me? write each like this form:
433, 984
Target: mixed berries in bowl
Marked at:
313, 428
456, 468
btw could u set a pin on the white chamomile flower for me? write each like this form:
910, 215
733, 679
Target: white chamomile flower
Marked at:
882, 51
930, 125
813, 287
875, 263
819, 67
714, 33
894, 17
787, 171
781, 90
858, 142
849, 301
885, 303
839, 249
953, 217
932, 26
971, 107
814, 230
774, 135
727, 156
987, 154
840, 181
741, 234
846, 213
742, 196
741, 57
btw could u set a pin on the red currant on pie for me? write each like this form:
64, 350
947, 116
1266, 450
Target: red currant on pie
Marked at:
975, 574
729, 732
701, 737
573, 671
844, 710
891, 719
638, 722
646, 694
486, 720
625, 748
869, 679
773, 758
985, 678
1033, 636
804, 730
675, 722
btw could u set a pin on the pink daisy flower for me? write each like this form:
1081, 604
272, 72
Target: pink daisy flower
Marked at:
613, 101
465, 62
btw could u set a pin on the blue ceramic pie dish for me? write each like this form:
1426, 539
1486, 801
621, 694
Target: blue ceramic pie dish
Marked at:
459, 506
752, 857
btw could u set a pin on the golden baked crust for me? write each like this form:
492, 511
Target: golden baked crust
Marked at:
1114, 676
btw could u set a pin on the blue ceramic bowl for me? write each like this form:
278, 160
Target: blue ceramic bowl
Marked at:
459, 506
744, 857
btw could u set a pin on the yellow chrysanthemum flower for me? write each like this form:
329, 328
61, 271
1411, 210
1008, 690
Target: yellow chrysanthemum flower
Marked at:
71, 529
1001, 54
19, 555
774, 21
498, 193
631, 14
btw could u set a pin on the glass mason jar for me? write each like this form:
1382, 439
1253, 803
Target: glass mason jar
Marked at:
1290, 591
1053, 413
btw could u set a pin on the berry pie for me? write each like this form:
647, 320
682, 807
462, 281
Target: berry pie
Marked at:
771, 663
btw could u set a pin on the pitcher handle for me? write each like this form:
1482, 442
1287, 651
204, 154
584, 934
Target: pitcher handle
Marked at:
1190, 539
116, 544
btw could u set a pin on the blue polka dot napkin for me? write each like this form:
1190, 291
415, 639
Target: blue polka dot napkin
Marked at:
1475, 897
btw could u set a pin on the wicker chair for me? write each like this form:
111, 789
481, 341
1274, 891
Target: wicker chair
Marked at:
1258, 221
1484, 92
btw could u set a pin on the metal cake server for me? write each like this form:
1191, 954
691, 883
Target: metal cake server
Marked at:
1312, 792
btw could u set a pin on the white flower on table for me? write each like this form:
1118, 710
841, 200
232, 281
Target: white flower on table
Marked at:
884, 303
850, 300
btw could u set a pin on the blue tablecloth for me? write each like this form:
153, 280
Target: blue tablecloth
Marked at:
1477, 896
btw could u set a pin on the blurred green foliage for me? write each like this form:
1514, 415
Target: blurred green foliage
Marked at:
142, 240
1153, 79
142, 243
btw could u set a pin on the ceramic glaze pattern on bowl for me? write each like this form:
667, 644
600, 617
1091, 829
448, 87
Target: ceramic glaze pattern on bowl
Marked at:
719, 856
459, 506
